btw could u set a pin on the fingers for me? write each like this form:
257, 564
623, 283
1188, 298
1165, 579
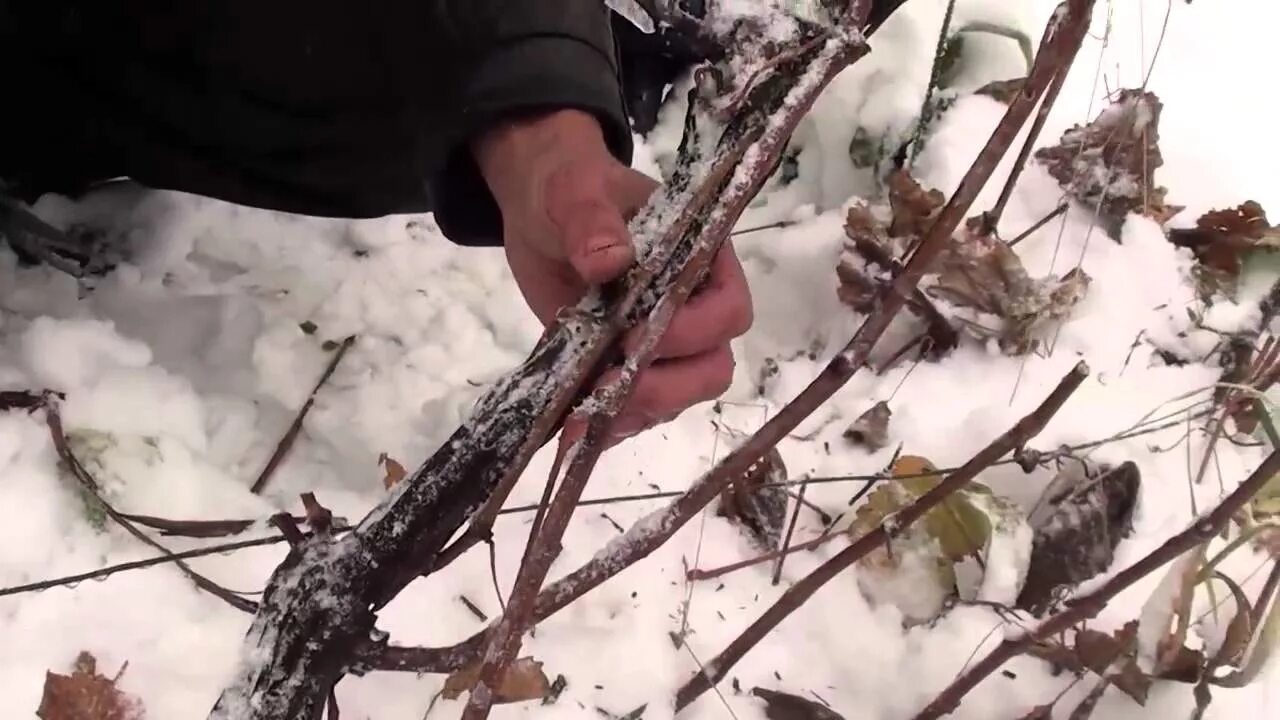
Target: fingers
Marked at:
668, 388
590, 224
719, 312
590, 205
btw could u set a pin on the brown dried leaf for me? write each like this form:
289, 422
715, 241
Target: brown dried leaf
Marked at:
524, 680
858, 288
1003, 91
1039, 712
914, 208
871, 429
1235, 644
1077, 526
393, 471
1168, 612
1110, 163
784, 706
1112, 657
1115, 658
981, 272
757, 502
1221, 238
86, 695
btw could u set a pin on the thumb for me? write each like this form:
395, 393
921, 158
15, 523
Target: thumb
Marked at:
595, 240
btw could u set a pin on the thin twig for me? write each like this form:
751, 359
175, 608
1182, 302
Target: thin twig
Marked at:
1089, 605
786, 539
291, 435
165, 559
694, 574
1017, 437
1062, 208
991, 219
90, 487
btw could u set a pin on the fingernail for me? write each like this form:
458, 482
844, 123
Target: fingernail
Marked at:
602, 242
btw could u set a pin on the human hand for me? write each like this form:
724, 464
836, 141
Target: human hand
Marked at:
565, 202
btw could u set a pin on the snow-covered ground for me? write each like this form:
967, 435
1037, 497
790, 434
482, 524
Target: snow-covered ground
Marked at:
183, 368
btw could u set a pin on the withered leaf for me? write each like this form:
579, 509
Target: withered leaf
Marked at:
756, 502
524, 680
1235, 644
1110, 656
86, 695
393, 472
982, 273
871, 429
1039, 712
1222, 238
1003, 91
914, 208
785, 706
1115, 658
1077, 528
858, 287
1166, 615
1110, 163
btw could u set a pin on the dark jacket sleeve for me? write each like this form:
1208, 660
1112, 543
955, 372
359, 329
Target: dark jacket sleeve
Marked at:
521, 57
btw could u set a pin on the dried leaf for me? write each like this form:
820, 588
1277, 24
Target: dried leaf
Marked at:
757, 502
1114, 657
784, 706
86, 695
982, 273
1077, 526
1222, 238
1039, 712
1166, 616
1235, 644
1261, 647
1109, 656
524, 680
871, 429
858, 287
914, 208
393, 471
1003, 91
1110, 164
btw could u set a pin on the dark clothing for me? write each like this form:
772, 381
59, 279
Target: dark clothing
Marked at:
320, 107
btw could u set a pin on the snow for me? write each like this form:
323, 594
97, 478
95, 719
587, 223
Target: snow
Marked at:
184, 366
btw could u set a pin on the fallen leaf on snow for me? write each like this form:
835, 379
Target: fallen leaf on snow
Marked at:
1166, 615
86, 695
393, 471
1109, 165
914, 208
1221, 238
784, 706
1113, 656
1077, 525
968, 524
757, 504
982, 273
524, 680
871, 429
